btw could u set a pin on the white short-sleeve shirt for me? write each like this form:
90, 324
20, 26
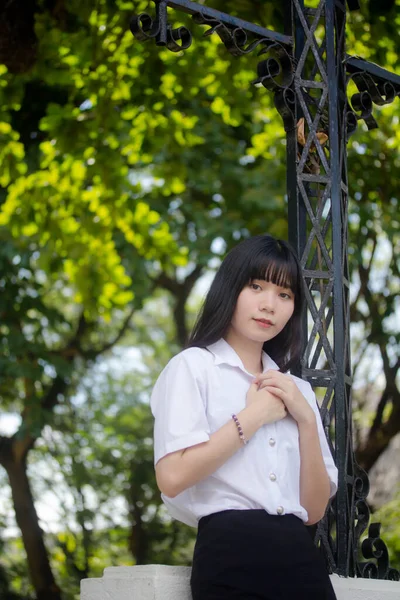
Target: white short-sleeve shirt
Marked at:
194, 396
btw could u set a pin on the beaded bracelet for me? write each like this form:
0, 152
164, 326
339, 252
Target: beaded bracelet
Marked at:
240, 430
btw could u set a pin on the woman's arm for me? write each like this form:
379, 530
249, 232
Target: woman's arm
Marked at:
314, 480
180, 470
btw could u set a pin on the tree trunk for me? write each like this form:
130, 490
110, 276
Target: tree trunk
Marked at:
376, 443
382, 430
138, 540
32, 535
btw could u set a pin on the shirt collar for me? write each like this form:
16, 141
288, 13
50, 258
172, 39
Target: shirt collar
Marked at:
224, 354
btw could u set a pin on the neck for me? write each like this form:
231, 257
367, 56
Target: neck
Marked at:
249, 351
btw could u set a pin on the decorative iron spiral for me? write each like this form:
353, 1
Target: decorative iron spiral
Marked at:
370, 92
234, 38
144, 28
276, 74
372, 547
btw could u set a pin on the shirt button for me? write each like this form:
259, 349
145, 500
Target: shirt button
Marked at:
272, 476
272, 442
280, 510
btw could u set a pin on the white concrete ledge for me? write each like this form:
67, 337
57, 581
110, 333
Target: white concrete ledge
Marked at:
349, 588
162, 582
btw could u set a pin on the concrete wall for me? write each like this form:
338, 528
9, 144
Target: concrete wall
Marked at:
162, 582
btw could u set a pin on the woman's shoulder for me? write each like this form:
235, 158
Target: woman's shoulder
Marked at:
195, 359
182, 370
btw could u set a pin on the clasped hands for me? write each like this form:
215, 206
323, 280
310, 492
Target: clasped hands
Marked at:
283, 387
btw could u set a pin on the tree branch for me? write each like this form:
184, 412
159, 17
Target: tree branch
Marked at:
94, 352
381, 434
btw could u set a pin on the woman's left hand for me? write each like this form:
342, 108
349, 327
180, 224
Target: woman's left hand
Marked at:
284, 387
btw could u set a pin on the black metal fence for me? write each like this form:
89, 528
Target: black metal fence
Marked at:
309, 74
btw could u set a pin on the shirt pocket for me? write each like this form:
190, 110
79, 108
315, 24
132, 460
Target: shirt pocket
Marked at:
226, 396
220, 412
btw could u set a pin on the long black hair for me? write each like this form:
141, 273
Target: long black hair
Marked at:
258, 257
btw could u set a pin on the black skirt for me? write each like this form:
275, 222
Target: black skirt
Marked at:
249, 554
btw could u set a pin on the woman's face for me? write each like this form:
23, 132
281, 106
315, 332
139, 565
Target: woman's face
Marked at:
262, 310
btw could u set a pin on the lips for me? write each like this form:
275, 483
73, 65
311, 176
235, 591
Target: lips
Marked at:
264, 322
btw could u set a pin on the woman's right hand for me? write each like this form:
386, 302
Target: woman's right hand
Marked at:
270, 408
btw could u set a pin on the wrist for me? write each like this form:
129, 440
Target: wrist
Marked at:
252, 415
307, 422
242, 437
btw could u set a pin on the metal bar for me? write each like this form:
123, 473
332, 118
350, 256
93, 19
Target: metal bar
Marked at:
295, 208
320, 375
315, 178
342, 524
355, 64
297, 214
312, 84
193, 8
308, 274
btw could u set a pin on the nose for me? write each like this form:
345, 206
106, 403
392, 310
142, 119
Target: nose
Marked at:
267, 302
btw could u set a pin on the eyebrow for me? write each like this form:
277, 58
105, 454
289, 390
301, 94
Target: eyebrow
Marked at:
284, 286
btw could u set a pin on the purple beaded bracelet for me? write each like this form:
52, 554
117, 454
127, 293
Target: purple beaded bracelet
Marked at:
240, 430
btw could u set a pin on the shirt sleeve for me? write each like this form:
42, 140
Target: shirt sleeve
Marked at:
178, 407
326, 452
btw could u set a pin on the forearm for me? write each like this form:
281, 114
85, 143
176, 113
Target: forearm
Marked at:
181, 470
314, 480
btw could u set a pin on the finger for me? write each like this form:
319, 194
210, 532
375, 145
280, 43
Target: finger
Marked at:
275, 391
255, 386
272, 373
263, 377
272, 384
269, 380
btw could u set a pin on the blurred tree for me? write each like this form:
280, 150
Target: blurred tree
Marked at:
8, 571
94, 466
375, 246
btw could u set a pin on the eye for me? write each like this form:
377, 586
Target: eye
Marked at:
255, 286
285, 295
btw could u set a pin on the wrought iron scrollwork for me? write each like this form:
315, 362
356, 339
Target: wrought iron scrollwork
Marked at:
239, 37
144, 28
374, 547
275, 72
235, 38
371, 90
351, 122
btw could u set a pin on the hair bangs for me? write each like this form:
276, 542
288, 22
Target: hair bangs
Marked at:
279, 268
260, 257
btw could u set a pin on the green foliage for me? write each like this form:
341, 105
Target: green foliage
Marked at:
13, 580
100, 452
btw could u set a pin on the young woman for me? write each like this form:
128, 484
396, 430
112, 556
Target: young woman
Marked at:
240, 450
